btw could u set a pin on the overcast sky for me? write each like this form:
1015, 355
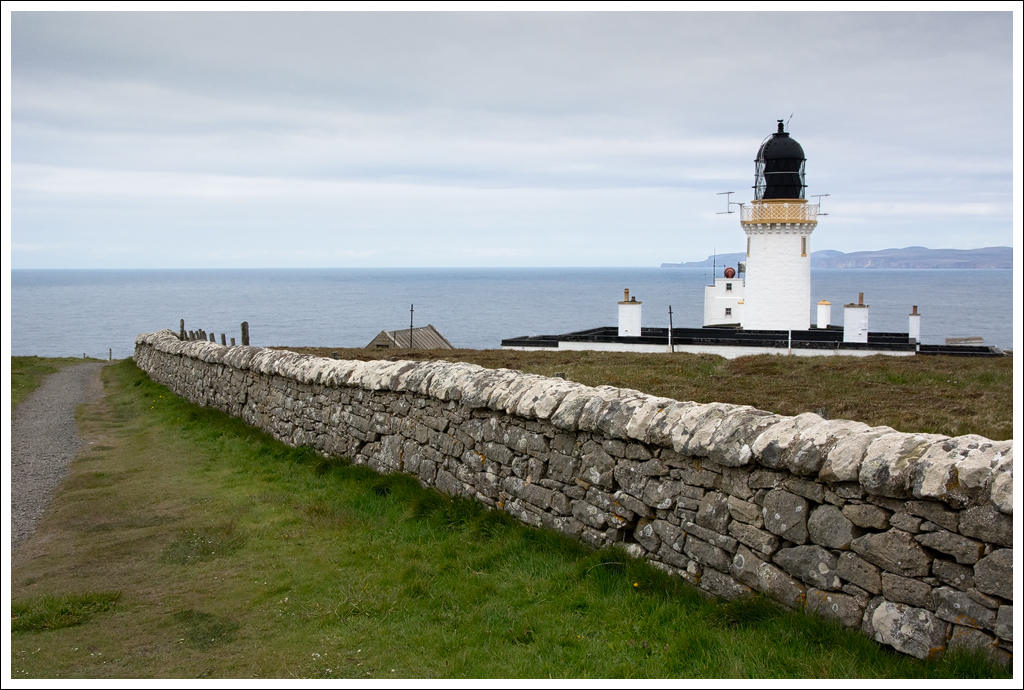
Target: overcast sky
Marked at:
213, 139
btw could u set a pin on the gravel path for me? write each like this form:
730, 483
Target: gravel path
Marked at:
44, 441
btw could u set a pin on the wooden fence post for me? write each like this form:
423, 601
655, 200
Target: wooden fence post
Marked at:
181, 332
245, 333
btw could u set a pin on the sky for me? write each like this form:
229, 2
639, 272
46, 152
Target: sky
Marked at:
370, 139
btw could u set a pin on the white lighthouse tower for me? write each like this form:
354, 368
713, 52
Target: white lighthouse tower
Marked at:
778, 224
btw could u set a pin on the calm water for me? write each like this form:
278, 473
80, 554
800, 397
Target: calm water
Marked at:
70, 312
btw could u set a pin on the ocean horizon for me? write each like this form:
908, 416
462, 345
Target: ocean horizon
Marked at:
70, 312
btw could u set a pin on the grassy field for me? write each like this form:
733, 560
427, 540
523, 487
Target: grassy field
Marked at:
941, 395
28, 372
185, 544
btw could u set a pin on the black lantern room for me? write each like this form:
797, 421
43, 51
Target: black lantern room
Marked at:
779, 168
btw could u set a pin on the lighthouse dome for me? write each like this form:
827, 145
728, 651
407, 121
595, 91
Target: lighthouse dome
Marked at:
779, 168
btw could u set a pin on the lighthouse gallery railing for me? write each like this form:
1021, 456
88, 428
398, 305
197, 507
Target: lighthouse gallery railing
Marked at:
760, 212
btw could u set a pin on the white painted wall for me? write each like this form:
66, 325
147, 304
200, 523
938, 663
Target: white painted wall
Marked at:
855, 323
629, 318
727, 351
717, 299
914, 328
824, 314
778, 278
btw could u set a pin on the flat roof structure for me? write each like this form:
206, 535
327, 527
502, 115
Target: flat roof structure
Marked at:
737, 342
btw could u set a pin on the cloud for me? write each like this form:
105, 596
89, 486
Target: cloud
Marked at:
463, 137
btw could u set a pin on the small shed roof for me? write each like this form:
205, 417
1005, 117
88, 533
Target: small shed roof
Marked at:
423, 338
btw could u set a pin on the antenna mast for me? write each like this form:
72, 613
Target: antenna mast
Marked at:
729, 203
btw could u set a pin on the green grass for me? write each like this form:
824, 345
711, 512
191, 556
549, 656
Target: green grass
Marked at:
941, 395
55, 612
28, 372
237, 556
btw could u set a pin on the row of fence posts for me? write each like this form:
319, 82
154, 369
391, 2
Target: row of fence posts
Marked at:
212, 337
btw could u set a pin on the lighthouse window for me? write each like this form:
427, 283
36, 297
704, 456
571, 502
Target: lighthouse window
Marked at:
728, 311
728, 287
803, 246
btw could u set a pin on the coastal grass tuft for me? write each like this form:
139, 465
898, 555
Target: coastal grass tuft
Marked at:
54, 612
238, 556
940, 395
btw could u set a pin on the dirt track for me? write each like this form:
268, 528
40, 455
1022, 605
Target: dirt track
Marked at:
44, 441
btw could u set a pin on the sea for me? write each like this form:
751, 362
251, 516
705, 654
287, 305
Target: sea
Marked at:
97, 313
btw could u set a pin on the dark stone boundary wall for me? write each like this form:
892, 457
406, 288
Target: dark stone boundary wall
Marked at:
907, 537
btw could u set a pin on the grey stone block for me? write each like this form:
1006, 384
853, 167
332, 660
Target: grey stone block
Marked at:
867, 516
561, 504
759, 540
984, 599
855, 569
953, 574
734, 482
812, 491
673, 557
828, 527
848, 490
841, 607
705, 553
670, 534
698, 477
914, 631
895, 551
936, 512
744, 511
861, 595
630, 477
608, 503
661, 493
957, 607
785, 514
965, 551
589, 515
781, 587
993, 574
723, 586
714, 512
905, 590
563, 443
562, 468
537, 495
987, 524
710, 536
907, 523
636, 451
745, 564
893, 505
972, 640
766, 479
634, 505
812, 564
1004, 623
646, 536
596, 465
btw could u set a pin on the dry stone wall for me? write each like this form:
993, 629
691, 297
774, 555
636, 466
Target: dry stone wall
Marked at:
907, 537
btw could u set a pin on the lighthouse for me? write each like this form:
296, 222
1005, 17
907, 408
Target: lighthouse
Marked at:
778, 224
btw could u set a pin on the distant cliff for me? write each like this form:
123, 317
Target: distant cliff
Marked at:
908, 257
